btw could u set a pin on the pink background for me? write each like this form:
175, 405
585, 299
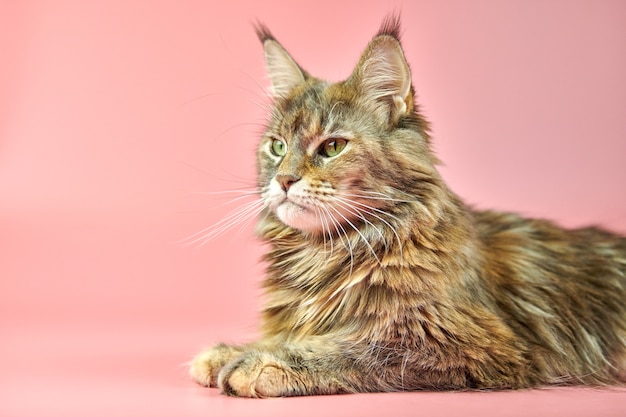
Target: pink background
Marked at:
116, 118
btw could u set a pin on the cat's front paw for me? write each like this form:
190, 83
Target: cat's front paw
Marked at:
206, 366
259, 374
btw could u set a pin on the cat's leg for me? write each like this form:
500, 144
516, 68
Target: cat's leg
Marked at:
206, 365
290, 370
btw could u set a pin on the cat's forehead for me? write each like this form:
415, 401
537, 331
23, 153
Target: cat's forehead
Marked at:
315, 107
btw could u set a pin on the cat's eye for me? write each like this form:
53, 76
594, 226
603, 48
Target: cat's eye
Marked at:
278, 147
332, 147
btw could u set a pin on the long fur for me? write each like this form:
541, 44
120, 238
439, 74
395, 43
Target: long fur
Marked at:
392, 282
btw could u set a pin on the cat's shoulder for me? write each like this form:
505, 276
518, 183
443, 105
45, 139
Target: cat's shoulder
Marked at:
492, 224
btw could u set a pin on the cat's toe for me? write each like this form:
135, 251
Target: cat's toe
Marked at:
205, 367
255, 376
202, 370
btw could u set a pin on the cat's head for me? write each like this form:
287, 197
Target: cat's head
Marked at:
340, 155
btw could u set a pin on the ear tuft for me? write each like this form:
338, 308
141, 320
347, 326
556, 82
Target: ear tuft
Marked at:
390, 26
283, 70
383, 74
263, 32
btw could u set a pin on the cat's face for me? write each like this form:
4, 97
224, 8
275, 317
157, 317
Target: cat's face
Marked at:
335, 155
314, 156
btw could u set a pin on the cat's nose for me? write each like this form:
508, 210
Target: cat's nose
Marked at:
287, 180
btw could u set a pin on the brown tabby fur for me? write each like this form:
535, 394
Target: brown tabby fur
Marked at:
391, 282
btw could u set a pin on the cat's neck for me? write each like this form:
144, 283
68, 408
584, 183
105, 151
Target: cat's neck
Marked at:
403, 238
314, 282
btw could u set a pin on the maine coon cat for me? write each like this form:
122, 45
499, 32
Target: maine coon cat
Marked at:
379, 278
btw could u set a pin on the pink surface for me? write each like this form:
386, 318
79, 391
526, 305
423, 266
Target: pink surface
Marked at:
116, 118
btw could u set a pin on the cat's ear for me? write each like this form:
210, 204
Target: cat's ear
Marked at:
382, 74
283, 70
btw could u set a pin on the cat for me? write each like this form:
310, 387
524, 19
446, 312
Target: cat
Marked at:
379, 278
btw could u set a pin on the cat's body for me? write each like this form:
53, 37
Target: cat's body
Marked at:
381, 279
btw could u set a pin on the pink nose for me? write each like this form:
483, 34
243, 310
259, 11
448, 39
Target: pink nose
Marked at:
287, 180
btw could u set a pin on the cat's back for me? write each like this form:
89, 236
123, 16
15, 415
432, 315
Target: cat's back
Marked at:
562, 290
544, 246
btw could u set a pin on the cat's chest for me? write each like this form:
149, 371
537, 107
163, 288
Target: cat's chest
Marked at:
323, 268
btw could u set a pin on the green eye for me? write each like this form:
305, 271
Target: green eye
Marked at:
333, 147
278, 147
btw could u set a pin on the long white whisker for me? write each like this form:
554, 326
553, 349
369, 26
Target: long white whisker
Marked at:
242, 191
347, 205
329, 231
236, 199
222, 226
379, 196
347, 243
236, 217
200, 97
263, 106
324, 224
241, 219
238, 125
229, 217
370, 209
265, 91
359, 233
372, 212
249, 218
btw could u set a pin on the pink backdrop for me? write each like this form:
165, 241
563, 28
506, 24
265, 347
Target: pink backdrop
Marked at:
117, 117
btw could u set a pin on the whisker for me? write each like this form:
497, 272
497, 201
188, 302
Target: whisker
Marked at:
236, 199
245, 222
263, 106
197, 98
231, 178
244, 194
370, 209
337, 225
379, 196
232, 191
319, 214
239, 216
360, 214
359, 233
265, 91
200, 170
219, 228
238, 125
372, 212
330, 235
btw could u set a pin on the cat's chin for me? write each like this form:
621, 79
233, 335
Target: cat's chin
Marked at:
298, 217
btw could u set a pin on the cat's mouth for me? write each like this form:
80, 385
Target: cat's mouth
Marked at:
289, 209
297, 216
297, 207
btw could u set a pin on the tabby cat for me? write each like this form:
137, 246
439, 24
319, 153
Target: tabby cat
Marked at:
379, 278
